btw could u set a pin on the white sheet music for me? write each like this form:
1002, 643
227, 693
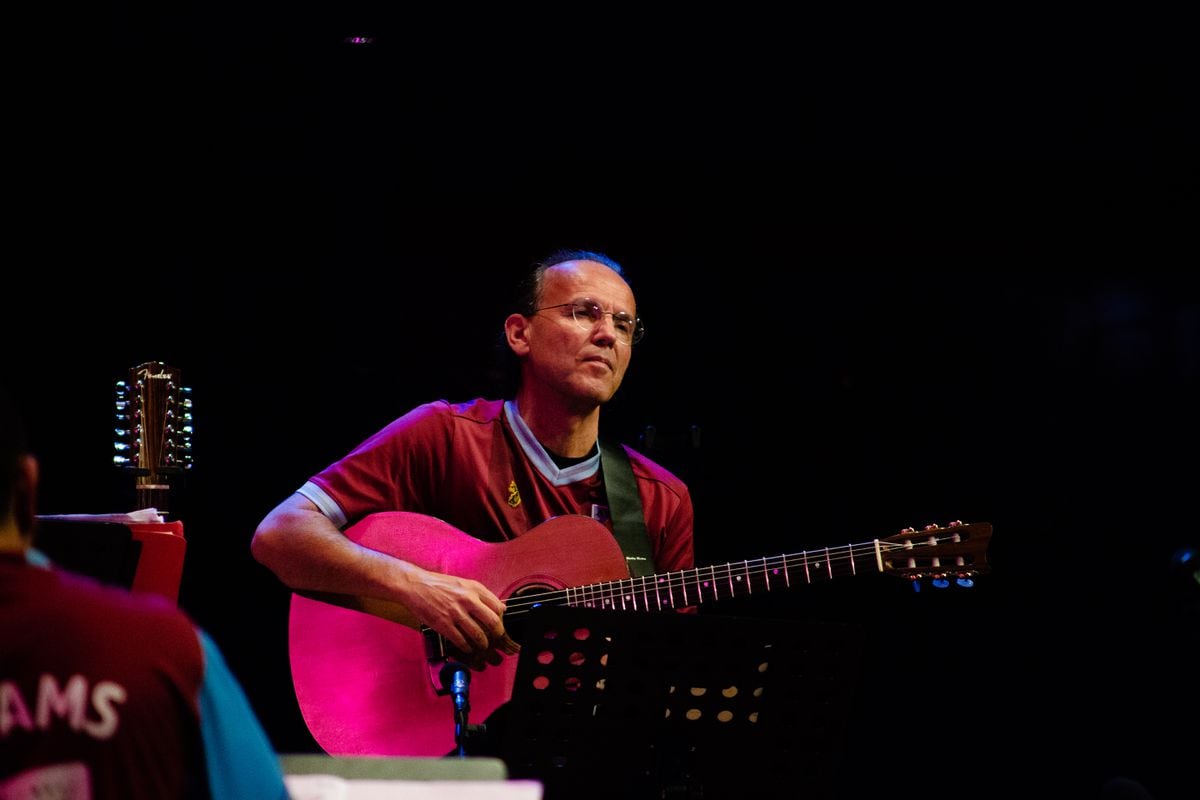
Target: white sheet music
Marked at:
332, 787
141, 515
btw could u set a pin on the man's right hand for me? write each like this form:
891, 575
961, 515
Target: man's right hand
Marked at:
464, 611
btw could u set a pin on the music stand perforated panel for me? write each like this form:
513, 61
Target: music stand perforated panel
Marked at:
620, 704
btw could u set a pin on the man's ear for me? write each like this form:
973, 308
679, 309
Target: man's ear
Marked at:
516, 332
25, 495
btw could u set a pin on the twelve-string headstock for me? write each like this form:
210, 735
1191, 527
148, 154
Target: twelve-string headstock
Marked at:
955, 553
154, 429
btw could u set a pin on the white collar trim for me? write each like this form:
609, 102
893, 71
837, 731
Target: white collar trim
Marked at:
541, 459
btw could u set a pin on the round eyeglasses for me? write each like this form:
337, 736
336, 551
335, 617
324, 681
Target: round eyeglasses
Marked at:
587, 313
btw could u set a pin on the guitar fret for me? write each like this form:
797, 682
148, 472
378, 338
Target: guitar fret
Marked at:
739, 577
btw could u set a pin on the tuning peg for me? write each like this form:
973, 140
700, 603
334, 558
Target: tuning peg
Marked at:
965, 581
940, 583
931, 527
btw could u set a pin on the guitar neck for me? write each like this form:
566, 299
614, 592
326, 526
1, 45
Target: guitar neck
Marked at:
692, 587
153, 495
956, 550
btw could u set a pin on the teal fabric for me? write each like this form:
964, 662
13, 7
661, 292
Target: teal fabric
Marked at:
240, 760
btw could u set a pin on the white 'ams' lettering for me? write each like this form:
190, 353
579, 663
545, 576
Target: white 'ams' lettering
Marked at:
70, 703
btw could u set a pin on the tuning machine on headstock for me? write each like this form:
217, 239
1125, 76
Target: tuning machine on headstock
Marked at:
154, 428
950, 555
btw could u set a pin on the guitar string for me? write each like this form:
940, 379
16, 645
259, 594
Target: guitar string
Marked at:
703, 578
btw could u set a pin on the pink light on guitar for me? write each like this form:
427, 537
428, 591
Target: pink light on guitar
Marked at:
366, 685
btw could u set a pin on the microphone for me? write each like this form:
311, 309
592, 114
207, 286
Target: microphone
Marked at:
456, 679
460, 682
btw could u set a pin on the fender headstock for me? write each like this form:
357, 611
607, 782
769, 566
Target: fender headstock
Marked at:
153, 429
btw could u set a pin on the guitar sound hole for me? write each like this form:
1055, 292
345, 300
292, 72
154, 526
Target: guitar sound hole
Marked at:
515, 623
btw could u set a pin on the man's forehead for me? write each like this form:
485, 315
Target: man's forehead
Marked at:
569, 275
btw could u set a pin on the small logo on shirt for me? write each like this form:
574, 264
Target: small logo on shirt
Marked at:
514, 496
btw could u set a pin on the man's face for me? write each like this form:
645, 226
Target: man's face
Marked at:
582, 360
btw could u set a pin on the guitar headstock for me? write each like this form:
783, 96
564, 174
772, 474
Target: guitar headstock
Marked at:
955, 552
154, 429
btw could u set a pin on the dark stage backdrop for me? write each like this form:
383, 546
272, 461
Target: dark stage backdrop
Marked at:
879, 292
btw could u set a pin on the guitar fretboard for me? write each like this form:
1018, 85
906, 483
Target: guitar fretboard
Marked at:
936, 554
696, 586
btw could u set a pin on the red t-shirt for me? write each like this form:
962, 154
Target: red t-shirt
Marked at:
108, 694
471, 466
91, 685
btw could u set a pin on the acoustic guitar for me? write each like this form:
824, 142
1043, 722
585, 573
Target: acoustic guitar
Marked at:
368, 686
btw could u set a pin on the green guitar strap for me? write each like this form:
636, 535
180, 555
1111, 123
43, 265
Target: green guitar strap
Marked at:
625, 508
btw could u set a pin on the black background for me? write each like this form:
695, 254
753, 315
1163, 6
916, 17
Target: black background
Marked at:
895, 270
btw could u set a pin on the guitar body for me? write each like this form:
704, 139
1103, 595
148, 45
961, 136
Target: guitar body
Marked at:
364, 684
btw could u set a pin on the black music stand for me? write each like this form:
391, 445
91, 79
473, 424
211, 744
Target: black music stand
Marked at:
631, 705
